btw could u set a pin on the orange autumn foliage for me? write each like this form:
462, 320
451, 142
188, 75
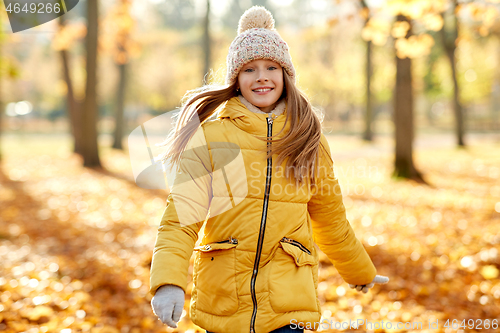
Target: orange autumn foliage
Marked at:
76, 243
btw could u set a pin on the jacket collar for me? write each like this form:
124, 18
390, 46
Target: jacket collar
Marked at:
279, 108
248, 121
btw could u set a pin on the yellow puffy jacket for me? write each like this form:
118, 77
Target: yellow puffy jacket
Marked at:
257, 267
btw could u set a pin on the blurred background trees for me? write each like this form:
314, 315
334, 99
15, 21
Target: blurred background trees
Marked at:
62, 42
149, 54
8, 71
117, 40
207, 43
365, 12
2, 36
90, 116
407, 88
449, 38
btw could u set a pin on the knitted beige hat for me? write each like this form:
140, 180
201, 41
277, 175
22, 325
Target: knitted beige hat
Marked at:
257, 39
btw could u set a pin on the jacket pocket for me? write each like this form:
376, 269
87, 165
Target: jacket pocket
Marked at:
215, 278
292, 282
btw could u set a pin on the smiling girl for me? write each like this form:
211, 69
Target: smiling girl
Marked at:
256, 269
261, 84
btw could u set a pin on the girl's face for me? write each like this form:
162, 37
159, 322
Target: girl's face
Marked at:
261, 83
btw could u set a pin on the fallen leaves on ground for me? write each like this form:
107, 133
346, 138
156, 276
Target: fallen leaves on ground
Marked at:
76, 243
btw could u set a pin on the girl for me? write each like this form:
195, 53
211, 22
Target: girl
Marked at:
257, 267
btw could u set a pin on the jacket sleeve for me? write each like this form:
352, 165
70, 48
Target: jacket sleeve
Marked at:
331, 229
186, 210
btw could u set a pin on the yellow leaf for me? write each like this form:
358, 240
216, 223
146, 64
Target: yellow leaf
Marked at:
104, 329
433, 22
147, 323
39, 312
483, 31
489, 272
18, 327
332, 22
400, 29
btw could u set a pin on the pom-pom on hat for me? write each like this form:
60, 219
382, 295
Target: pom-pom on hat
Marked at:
257, 39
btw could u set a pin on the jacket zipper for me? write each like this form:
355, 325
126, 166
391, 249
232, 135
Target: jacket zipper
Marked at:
297, 244
231, 240
262, 228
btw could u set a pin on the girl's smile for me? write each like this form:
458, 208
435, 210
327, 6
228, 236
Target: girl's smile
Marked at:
263, 90
261, 83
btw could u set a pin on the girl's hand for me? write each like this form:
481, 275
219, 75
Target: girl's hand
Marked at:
168, 303
379, 279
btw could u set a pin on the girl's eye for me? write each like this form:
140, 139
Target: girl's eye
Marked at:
248, 70
272, 68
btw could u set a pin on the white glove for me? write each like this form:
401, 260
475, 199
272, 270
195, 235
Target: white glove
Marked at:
168, 303
379, 279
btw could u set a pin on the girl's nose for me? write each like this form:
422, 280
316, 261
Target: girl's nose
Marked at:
262, 76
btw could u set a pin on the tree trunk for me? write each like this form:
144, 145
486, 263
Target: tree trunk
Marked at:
449, 46
403, 117
206, 41
1, 95
90, 111
74, 110
495, 98
431, 87
120, 99
368, 135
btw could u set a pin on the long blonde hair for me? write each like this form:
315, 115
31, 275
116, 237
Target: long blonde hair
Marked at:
300, 146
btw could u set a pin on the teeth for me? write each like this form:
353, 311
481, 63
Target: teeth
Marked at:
262, 90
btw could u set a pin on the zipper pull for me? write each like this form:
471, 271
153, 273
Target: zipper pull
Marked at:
233, 240
270, 120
